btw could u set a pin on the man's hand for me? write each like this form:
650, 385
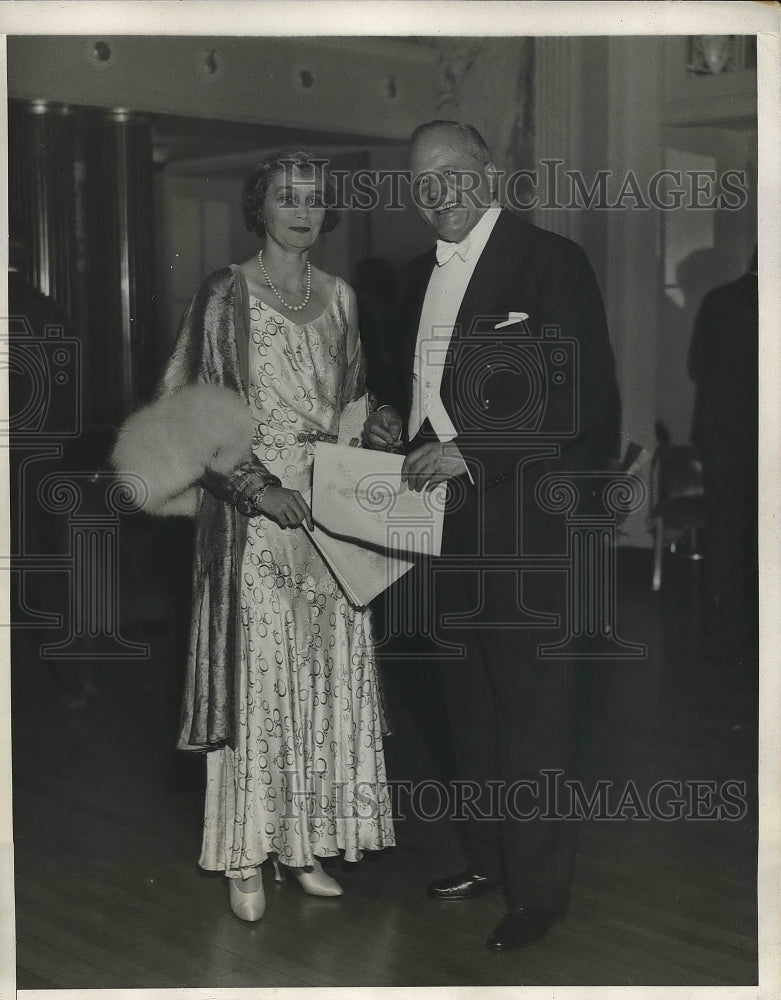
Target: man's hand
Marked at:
382, 430
432, 464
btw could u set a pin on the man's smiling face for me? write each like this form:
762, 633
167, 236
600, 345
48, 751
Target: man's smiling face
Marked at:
452, 186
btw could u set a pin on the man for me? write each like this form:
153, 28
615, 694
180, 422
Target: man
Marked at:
487, 398
723, 358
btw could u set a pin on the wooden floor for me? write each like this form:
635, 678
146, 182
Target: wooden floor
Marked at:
107, 826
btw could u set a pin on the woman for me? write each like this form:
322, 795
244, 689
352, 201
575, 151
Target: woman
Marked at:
281, 685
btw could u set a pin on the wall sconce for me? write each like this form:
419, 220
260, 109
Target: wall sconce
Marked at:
102, 51
711, 54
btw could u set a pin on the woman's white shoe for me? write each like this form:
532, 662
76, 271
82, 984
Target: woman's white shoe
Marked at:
247, 899
315, 882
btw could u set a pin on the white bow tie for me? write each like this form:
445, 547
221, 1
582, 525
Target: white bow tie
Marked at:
446, 250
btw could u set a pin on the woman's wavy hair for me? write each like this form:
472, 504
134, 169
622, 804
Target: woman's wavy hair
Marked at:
257, 184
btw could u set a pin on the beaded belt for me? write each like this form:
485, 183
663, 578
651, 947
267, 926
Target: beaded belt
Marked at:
304, 437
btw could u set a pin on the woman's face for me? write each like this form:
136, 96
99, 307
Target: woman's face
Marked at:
294, 210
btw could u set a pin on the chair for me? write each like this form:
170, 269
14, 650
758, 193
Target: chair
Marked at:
677, 502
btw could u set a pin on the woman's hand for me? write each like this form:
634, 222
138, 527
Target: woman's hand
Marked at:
287, 507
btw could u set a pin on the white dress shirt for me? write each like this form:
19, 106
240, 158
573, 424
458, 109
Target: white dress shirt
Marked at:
444, 296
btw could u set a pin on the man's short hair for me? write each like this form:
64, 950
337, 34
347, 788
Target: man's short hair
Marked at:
467, 133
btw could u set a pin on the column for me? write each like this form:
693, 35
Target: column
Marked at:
635, 276
558, 128
41, 181
119, 202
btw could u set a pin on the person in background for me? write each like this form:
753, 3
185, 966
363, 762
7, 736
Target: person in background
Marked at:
723, 363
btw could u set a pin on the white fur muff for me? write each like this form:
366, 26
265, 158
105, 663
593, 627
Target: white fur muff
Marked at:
168, 444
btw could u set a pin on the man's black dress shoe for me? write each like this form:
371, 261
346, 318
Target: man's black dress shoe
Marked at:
519, 927
465, 885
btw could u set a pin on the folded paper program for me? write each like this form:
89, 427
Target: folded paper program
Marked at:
368, 525
361, 572
358, 494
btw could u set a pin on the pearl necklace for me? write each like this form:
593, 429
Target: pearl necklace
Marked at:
276, 291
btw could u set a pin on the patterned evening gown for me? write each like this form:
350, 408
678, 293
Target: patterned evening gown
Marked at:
307, 777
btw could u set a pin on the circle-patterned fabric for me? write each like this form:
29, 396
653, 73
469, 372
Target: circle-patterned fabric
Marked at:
307, 777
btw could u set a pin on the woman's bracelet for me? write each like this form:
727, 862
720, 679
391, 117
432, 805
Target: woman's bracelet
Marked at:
248, 503
256, 498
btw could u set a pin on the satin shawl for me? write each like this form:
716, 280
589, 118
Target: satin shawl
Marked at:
212, 347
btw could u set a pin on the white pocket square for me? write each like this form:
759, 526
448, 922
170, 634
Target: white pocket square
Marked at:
511, 319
